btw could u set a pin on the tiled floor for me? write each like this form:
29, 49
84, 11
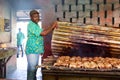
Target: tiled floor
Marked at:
21, 72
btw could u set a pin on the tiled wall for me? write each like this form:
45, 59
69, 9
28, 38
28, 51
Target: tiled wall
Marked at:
98, 12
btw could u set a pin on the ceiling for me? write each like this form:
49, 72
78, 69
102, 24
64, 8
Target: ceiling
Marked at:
24, 4
23, 8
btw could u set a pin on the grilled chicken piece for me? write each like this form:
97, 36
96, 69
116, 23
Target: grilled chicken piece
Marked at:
73, 65
117, 66
107, 65
100, 65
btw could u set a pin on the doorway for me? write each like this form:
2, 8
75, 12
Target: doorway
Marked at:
21, 71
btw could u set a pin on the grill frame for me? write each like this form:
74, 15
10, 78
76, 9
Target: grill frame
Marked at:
80, 74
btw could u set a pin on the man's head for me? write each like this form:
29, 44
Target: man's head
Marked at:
19, 29
34, 15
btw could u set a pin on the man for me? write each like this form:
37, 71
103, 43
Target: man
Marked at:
20, 37
35, 43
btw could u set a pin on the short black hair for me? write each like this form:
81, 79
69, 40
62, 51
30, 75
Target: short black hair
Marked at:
32, 12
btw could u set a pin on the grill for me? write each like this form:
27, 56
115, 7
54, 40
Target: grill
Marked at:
70, 39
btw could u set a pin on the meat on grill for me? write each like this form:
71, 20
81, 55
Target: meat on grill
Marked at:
88, 62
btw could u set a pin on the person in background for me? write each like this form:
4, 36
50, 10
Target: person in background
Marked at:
35, 43
20, 37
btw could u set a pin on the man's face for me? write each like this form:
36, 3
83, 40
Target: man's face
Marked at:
35, 18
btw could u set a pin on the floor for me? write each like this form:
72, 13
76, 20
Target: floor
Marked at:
21, 72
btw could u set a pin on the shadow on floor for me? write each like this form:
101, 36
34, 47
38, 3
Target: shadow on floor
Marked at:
21, 72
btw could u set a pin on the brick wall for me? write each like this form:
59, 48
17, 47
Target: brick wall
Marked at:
98, 12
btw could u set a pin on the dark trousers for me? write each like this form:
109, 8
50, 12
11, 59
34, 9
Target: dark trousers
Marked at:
20, 47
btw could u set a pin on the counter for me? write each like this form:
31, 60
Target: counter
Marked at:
5, 55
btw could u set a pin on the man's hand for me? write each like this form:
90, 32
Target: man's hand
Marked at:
41, 55
54, 25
